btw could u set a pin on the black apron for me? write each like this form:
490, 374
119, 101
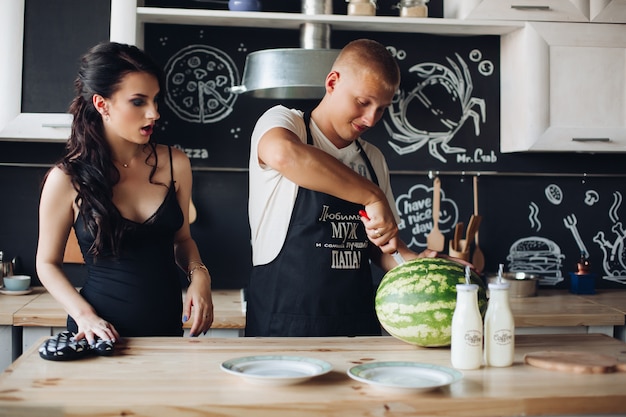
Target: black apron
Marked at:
320, 284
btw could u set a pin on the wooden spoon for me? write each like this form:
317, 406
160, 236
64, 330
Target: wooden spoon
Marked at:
478, 258
458, 232
435, 239
472, 228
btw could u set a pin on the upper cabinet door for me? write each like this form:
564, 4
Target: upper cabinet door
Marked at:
608, 11
564, 88
531, 10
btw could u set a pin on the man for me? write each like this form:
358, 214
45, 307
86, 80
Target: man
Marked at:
310, 174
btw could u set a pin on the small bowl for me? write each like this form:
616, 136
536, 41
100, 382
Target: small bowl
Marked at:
522, 284
16, 282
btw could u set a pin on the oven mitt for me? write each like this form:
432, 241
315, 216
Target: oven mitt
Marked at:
63, 347
103, 347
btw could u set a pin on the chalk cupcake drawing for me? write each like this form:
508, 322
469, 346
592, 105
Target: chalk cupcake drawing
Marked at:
453, 84
198, 79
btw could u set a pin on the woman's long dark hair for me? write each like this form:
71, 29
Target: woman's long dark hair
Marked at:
88, 160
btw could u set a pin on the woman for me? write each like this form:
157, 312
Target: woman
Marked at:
128, 201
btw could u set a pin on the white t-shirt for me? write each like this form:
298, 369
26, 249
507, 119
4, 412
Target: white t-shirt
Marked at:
272, 196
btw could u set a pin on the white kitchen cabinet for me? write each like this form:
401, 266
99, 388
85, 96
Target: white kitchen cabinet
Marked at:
563, 88
528, 10
608, 11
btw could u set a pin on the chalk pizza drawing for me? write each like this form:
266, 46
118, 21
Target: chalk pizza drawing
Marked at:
613, 252
198, 80
537, 255
410, 130
416, 213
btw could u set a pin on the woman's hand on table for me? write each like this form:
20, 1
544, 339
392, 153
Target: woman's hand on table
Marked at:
92, 326
198, 304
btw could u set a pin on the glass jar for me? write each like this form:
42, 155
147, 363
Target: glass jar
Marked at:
244, 5
361, 7
413, 8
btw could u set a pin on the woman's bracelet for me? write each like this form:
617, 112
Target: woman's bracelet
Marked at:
198, 265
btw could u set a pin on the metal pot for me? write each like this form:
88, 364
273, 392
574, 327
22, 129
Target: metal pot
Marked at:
522, 284
286, 73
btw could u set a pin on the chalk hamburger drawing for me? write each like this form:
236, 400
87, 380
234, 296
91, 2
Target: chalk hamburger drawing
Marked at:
537, 255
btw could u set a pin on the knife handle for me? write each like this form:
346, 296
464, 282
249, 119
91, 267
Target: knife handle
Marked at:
396, 255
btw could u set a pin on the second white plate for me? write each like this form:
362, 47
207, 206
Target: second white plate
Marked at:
404, 376
276, 369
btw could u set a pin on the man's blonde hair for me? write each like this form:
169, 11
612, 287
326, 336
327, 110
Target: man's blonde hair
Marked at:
371, 56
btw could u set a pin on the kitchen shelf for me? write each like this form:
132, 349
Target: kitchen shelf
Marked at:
274, 20
127, 21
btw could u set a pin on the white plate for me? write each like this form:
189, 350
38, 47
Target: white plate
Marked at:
276, 369
23, 292
404, 376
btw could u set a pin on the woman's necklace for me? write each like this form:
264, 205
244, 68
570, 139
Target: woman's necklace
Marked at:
127, 164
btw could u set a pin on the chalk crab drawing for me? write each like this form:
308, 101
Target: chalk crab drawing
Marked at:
456, 83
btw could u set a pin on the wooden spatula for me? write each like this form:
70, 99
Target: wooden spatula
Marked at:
435, 239
478, 258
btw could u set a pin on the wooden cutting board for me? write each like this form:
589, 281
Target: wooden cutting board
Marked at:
575, 361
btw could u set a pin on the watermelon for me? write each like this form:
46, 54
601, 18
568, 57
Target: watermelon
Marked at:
415, 301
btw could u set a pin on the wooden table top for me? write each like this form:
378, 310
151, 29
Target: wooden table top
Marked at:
614, 299
549, 308
44, 310
561, 308
182, 377
9, 304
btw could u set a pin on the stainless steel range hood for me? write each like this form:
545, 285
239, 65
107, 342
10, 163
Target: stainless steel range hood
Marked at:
292, 73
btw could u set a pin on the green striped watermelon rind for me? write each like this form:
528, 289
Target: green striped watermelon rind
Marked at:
415, 301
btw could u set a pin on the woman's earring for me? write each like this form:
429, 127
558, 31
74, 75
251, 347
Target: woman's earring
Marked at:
106, 117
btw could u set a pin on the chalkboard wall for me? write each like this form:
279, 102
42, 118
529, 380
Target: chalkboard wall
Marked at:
539, 209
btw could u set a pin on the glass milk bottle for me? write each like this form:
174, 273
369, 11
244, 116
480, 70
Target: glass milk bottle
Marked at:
499, 326
467, 329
